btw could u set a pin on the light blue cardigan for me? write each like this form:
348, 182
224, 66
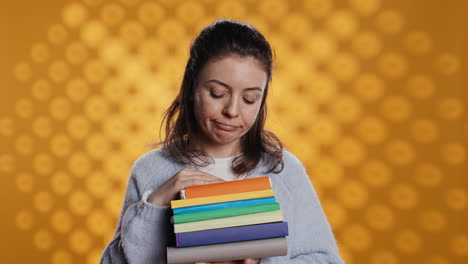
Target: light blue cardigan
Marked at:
144, 229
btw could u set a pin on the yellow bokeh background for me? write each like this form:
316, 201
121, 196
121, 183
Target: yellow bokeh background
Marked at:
369, 94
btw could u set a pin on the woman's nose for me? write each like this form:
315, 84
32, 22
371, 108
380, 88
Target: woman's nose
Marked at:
231, 109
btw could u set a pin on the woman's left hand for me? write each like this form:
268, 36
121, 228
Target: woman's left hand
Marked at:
245, 261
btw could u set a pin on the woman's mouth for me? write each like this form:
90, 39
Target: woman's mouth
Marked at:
225, 127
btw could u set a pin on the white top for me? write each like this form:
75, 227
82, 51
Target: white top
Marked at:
221, 168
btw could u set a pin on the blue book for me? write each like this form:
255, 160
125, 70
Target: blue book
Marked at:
225, 205
232, 234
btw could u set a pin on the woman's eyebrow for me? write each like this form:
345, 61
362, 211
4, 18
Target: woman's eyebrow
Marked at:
229, 87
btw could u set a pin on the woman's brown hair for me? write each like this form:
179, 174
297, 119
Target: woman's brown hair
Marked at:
222, 38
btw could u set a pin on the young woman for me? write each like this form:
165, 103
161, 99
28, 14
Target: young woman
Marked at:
215, 132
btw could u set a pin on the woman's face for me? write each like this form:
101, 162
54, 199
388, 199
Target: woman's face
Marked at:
227, 99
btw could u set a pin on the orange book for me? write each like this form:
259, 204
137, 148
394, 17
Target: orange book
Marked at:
229, 187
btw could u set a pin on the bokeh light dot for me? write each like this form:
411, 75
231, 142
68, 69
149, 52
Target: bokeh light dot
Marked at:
396, 108
190, 11
342, 23
265, 9
40, 52
420, 86
400, 152
375, 173
380, 217
450, 108
77, 90
25, 182
61, 221
389, 21
80, 203
61, 257
43, 201
94, 33
336, 213
43, 239
57, 34
459, 245
60, 108
357, 237
408, 241
453, 153
417, 42
78, 126
43, 163
404, 196
432, 220
24, 144
98, 185
383, 256
365, 7
132, 33
353, 194
424, 131
345, 108
317, 8
447, 63
327, 172
59, 71
150, 13
61, 183
372, 130
74, 15
79, 164
366, 44
428, 174
349, 151
22, 71
344, 66
323, 88
392, 65
95, 71
76, 53
232, 8
80, 241
456, 198
99, 223
61, 145
25, 220
321, 46
98, 145
368, 86
24, 108
7, 163
7, 126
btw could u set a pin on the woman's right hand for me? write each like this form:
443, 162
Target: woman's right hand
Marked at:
184, 178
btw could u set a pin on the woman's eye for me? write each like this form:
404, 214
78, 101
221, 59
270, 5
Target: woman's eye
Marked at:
216, 95
249, 101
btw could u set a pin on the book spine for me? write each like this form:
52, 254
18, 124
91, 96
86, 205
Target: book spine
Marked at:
232, 234
229, 187
225, 205
262, 248
243, 220
222, 198
245, 210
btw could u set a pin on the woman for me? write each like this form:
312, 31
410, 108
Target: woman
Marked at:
215, 132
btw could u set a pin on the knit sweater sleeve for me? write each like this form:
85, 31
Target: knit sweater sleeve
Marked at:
310, 237
142, 230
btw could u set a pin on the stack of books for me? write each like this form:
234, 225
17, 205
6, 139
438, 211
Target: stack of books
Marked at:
227, 221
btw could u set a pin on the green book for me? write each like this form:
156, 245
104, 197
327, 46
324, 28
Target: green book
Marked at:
238, 220
221, 213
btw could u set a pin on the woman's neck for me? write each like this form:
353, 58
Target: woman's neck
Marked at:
218, 151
